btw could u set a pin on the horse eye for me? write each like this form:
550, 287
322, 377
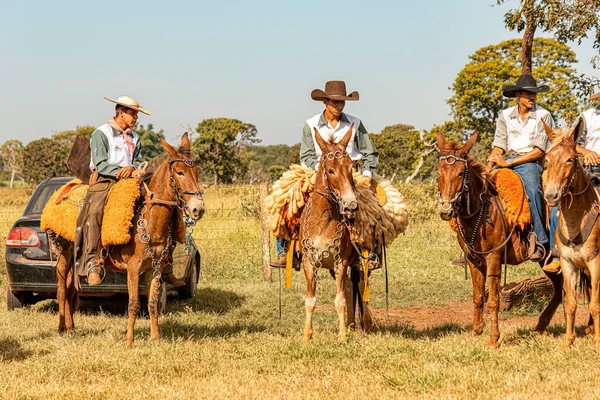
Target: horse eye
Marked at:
331, 172
460, 174
179, 173
570, 160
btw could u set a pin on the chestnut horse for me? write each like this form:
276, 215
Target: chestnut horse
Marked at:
173, 185
467, 195
324, 236
578, 233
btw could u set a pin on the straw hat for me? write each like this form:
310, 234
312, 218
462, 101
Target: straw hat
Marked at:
129, 102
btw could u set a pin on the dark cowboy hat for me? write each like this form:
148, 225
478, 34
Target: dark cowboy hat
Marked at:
334, 90
524, 83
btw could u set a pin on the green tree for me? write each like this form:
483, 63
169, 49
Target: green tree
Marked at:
275, 172
67, 138
12, 155
477, 91
219, 147
45, 158
398, 146
567, 20
150, 141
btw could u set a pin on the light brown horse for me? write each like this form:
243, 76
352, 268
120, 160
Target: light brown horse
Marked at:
173, 186
324, 236
467, 195
578, 233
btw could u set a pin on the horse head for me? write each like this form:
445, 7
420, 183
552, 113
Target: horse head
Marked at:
335, 170
561, 162
452, 172
183, 178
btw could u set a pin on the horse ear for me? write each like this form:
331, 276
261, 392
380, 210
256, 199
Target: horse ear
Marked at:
185, 147
549, 132
578, 128
320, 141
465, 148
168, 148
346, 139
440, 141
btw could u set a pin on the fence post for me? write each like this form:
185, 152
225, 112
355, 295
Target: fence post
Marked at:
266, 237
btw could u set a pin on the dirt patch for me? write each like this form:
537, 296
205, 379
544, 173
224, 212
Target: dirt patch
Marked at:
460, 314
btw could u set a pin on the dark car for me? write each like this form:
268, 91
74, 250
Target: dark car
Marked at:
30, 264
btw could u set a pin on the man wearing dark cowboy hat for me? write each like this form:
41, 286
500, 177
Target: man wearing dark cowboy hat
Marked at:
521, 137
115, 154
333, 123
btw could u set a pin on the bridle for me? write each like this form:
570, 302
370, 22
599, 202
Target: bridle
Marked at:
178, 190
334, 196
454, 203
566, 190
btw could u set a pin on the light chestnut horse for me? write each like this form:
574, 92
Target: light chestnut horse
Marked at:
467, 195
324, 237
578, 234
172, 186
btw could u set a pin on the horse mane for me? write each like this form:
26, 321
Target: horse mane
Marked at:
160, 159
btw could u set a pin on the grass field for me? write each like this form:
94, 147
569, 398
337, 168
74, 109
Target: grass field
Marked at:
229, 341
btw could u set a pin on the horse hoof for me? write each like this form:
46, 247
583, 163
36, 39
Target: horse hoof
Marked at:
567, 345
306, 338
589, 331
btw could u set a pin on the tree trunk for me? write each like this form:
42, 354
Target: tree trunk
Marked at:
526, 47
12, 177
215, 177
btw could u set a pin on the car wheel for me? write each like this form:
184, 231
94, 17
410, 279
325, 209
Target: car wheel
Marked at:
13, 301
191, 285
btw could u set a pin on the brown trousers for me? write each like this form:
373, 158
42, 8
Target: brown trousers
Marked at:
89, 223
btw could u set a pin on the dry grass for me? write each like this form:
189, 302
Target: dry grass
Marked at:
229, 342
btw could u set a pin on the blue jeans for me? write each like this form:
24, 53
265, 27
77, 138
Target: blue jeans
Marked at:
531, 174
281, 243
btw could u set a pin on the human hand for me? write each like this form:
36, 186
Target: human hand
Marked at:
138, 173
591, 158
125, 172
498, 160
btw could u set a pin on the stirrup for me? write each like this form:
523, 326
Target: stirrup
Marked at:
96, 265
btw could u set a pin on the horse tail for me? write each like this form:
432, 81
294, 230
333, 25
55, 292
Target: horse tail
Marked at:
356, 296
583, 285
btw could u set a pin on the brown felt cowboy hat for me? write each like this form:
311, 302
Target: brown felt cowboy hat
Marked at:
525, 83
129, 102
334, 90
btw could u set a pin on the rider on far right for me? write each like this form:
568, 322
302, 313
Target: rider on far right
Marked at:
520, 136
588, 143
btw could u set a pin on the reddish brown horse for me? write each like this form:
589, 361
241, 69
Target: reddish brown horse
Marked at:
324, 235
173, 186
467, 195
578, 234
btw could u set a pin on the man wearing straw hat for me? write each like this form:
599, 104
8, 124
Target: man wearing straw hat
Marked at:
115, 154
332, 123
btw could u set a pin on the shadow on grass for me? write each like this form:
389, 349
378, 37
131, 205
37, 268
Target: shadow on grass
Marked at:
174, 329
11, 350
554, 330
210, 301
434, 332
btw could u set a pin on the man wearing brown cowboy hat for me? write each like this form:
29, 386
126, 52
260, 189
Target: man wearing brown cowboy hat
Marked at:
115, 154
520, 136
333, 123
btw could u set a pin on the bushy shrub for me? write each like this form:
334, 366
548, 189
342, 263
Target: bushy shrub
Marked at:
421, 199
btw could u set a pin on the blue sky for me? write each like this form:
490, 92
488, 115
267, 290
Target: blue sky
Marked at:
256, 61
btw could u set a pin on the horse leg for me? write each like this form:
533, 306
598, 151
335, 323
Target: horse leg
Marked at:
494, 270
478, 280
340, 300
595, 299
570, 280
311, 301
590, 327
367, 321
356, 296
548, 313
62, 265
350, 310
72, 300
133, 279
153, 308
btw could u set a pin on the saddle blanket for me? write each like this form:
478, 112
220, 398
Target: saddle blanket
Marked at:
60, 213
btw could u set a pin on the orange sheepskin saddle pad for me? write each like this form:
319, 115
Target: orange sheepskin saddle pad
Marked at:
60, 213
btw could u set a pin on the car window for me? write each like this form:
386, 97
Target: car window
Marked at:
41, 195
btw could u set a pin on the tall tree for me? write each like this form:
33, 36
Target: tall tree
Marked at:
45, 158
477, 99
12, 154
67, 138
150, 141
567, 20
219, 147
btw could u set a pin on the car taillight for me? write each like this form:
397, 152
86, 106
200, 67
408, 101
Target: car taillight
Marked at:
22, 237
